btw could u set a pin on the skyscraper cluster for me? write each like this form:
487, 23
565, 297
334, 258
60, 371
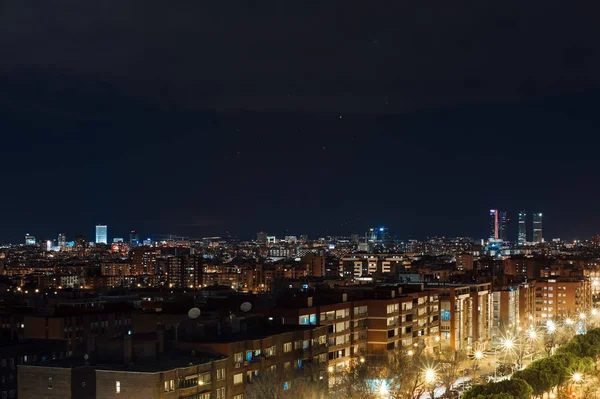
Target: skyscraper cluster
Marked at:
498, 227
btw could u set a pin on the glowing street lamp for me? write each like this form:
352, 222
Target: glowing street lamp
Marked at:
383, 389
577, 377
478, 355
582, 316
532, 334
430, 376
551, 326
568, 321
410, 352
330, 369
594, 312
508, 343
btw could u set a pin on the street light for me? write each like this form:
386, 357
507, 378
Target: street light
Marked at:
478, 355
430, 376
594, 312
508, 343
568, 321
410, 352
330, 369
582, 316
577, 377
532, 334
383, 389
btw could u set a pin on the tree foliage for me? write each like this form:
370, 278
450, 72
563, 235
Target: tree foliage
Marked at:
513, 388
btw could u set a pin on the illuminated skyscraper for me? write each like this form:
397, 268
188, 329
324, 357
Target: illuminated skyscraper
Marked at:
134, 239
29, 240
62, 240
261, 238
502, 219
522, 236
101, 234
537, 228
494, 224
378, 234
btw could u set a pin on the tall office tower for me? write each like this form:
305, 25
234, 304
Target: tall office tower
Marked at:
522, 236
29, 239
101, 234
134, 239
62, 240
494, 224
537, 228
261, 238
502, 219
383, 235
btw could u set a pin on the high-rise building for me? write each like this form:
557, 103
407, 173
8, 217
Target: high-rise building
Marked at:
261, 238
134, 239
522, 236
62, 240
101, 234
184, 271
537, 228
29, 239
378, 234
502, 219
143, 261
494, 224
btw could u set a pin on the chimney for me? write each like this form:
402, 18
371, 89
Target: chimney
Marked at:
160, 342
127, 348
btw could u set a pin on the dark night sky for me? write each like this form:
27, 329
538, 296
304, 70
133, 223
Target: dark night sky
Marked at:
196, 118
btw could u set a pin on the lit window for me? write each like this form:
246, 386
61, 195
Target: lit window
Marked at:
238, 378
118, 386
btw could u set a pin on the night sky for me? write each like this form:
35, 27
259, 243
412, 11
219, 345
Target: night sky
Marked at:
298, 117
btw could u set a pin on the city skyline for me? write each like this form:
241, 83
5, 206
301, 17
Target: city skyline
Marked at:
501, 229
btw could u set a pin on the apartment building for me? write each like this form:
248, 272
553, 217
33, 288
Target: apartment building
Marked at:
505, 310
364, 265
466, 314
289, 351
215, 364
561, 297
376, 320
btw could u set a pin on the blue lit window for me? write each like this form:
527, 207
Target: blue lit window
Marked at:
305, 286
299, 363
304, 319
286, 386
249, 356
313, 319
445, 315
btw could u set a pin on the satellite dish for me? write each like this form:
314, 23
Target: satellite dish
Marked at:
246, 306
194, 313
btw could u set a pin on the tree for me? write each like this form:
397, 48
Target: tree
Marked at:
274, 385
451, 368
403, 372
352, 382
515, 388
